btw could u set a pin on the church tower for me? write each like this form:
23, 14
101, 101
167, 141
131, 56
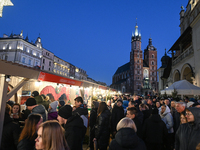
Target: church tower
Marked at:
136, 63
150, 58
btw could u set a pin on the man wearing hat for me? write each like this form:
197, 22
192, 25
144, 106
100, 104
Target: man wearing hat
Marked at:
39, 99
35, 108
73, 125
117, 115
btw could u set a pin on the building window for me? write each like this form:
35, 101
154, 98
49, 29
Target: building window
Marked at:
42, 67
29, 62
152, 67
49, 69
50, 63
6, 57
36, 63
152, 63
43, 61
23, 60
152, 56
152, 78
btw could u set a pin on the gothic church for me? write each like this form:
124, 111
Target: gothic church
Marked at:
139, 75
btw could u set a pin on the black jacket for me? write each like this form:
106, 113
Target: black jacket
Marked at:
92, 122
117, 115
154, 130
138, 126
81, 111
10, 134
74, 132
27, 144
126, 139
102, 132
188, 134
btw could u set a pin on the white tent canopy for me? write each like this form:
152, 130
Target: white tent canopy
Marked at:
183, 87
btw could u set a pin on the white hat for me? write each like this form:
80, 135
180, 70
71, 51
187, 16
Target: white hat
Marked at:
189, 104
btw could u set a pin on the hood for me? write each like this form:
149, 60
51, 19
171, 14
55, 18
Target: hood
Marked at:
7, 119
155, 118
127, 138
39, 109
167, 110
196, 112
54, 106
75, 121
81, 111
39, 99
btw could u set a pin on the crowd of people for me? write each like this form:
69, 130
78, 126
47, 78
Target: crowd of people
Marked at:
122, 123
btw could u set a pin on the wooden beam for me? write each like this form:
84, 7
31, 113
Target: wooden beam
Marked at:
16, 88
3, 96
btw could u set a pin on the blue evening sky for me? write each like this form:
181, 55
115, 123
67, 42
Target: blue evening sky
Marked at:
94, 35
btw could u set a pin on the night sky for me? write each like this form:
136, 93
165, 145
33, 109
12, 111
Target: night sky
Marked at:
94, 35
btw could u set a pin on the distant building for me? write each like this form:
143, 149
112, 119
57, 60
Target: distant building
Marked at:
18, 50
139, 75
185, 62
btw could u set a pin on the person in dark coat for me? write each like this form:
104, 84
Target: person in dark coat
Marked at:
10, 133
81, 110
117, 115
154, 132
145, 110
92, 122
73, 125
126, 137
188, 134
180, 108
28, 134
36, 109
132, 114
102, 132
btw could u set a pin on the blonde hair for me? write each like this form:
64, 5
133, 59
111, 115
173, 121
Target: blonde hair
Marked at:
126, 123
53, 137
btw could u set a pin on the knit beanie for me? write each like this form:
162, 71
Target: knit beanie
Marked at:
35, 93
65, 111
62, 103
120, 100
31, 102
154, 111
54, 106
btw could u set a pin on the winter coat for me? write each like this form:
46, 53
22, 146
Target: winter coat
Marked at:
52, 115
74, 132
138, 126
188, 135
82, 110
176, 118
154, 130
168, 120
92, 122
117, 115
10, 134
40, 110
27, 144
41, 101
102, 132
126, 139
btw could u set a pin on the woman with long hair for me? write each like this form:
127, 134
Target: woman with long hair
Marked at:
126, 137
16, 112
51, 137
102, 132
28, 134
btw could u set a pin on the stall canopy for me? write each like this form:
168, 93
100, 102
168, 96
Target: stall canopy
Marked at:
183, 87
